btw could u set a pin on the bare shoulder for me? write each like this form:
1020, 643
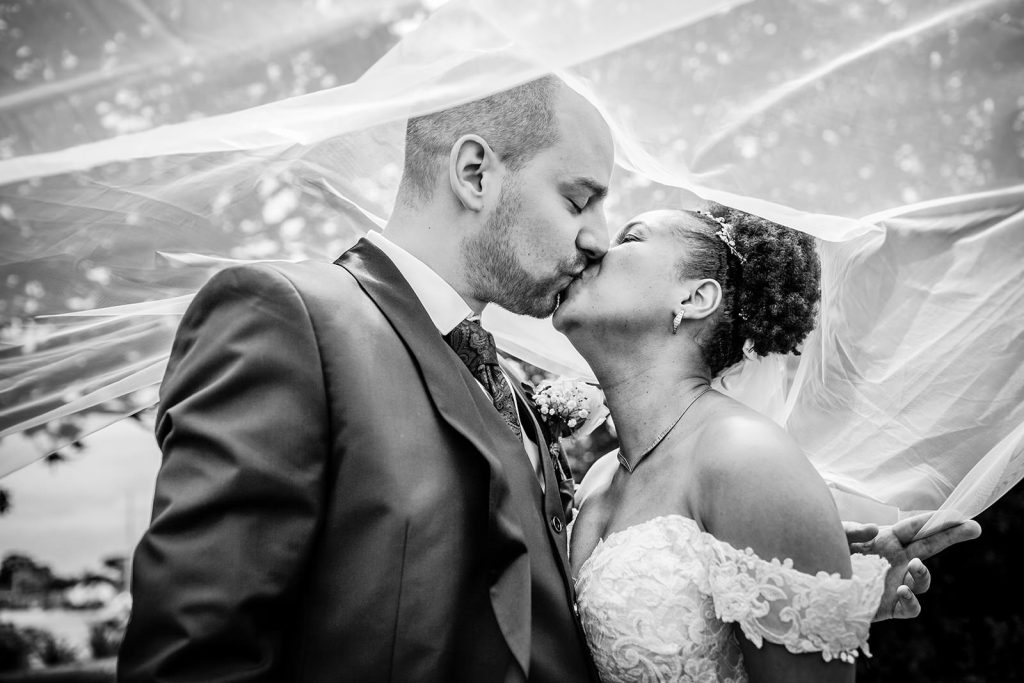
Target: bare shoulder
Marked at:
739, 442
758, 490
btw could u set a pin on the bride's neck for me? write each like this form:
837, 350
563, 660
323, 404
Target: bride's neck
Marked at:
645, 392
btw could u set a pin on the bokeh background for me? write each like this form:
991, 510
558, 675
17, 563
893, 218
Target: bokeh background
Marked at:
74, 71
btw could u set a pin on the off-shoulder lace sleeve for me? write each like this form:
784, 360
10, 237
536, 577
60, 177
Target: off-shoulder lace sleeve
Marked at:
806, 613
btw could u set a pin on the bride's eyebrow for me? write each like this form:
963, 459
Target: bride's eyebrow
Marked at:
622, 233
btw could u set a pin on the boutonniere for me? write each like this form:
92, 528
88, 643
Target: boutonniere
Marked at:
569, 408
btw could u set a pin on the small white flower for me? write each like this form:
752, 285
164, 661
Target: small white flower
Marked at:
566, 406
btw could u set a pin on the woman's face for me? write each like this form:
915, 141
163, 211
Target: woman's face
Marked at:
635, 287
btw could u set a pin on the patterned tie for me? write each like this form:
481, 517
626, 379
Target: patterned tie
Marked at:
475, 347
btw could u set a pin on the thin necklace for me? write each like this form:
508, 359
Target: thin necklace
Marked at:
661, 437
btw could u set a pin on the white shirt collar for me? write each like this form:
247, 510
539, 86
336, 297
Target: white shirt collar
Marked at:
444, 305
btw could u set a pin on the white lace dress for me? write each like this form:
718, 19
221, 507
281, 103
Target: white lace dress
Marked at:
658, 601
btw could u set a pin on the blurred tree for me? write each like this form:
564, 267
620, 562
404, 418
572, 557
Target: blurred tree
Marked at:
21, 573
118, 565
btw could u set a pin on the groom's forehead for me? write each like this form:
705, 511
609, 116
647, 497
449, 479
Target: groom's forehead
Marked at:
584, 138
578, 167
587, 142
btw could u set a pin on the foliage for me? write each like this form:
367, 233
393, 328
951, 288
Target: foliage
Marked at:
118, 566
14, 564
23, 648
51, 650
14, 648
105, 638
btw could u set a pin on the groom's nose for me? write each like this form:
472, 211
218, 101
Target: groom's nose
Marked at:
592, 239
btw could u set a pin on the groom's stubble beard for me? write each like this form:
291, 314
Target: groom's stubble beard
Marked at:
495, 271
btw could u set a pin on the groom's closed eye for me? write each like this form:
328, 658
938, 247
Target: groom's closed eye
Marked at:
581, 192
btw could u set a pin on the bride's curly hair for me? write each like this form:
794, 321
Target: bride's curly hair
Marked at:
770, 297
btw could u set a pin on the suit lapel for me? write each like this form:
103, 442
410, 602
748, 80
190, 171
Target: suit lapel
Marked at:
552, 501
463, 406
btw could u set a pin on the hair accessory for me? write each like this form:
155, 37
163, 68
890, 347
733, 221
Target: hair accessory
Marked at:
676, 321
725, 233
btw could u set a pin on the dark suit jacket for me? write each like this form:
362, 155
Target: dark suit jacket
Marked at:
338, 500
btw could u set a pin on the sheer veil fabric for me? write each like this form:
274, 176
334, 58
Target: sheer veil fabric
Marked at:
891, 130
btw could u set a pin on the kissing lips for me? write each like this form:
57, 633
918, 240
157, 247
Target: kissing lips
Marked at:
564, 294
583, 275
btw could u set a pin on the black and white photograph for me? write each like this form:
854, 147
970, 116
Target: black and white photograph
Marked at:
565, 341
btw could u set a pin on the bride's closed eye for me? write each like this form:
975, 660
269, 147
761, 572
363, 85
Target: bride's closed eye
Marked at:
628, 236
629, 233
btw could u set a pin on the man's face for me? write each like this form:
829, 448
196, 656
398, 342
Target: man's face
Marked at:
549, 220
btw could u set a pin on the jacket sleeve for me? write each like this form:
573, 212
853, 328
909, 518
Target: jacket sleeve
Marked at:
243, 428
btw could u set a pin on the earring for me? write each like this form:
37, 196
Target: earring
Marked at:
677, 321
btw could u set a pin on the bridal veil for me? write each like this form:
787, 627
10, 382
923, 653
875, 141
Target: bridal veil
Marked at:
891, 130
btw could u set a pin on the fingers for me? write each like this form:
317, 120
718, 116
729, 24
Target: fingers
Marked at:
859, 533
906, 529
940, 540
907, 605
918, 579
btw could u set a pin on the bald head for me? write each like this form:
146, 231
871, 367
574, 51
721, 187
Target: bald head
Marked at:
516, 123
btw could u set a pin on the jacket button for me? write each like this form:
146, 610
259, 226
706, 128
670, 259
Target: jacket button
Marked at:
556, 524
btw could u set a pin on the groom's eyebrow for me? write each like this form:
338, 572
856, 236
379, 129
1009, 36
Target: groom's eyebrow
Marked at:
595, 189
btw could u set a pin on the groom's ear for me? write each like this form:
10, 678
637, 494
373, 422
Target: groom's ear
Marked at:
703, 298
473, 171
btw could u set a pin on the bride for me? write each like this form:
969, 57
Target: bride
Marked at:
708, 548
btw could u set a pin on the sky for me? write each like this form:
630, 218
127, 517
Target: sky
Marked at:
72, 515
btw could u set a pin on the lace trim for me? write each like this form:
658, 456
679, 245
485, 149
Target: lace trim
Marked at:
775, 602
770, 600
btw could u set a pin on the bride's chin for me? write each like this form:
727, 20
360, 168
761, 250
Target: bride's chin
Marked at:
562, 318
570, 319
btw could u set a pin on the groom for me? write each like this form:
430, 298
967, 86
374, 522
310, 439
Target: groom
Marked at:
351, 489
344, 495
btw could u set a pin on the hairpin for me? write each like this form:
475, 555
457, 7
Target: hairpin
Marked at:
725, 233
